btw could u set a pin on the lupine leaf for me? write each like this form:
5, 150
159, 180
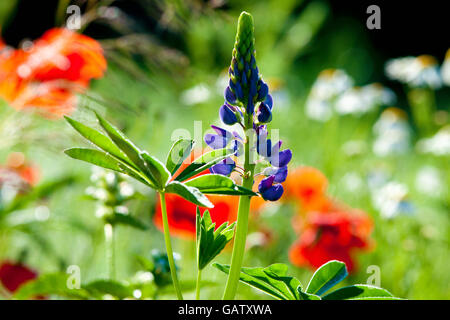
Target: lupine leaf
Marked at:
104, 160
99, 139
128, 147
204, 162
94, 156
271, 280
307, 296
209, 242
326, 277
358, 291
180, 150
157, 169
218, 184
189, 193
126, 219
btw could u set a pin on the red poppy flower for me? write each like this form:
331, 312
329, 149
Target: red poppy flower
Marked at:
49, 73
307, 186
332, 235
14, 275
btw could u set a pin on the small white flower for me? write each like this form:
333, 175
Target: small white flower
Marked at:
319, 110
391, 200
428, 181
126, 189
421, 71
445, 69
359, 100
331, 83
327, 87
439, 144
195, 95
392, 133
352, 182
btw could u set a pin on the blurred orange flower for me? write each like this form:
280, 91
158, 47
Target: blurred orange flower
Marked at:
48, 73
19, 172
307, 186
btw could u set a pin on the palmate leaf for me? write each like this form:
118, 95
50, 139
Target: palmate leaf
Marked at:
132, 152
180, 150
189, 193
271, 280
218, 184
99, 139
104, 160
359, 292
93, 156
157, 169
274, 282
328, 275
210, 242
205, 161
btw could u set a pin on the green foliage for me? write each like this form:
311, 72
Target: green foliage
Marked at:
125, 219
122, 155
274, 281
180, 150
359, 292
326, 277
210, 242
218, 184
204, 162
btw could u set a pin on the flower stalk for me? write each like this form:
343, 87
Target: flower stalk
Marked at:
169, 250
110, 250
242, 222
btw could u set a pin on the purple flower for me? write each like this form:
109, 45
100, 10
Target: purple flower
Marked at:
219, 140
227, 114
280, 174
264, 114
225, 167
270, 191
230, 97
282, 158
263, 90
269, 101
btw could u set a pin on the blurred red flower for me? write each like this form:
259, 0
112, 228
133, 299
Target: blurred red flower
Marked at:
14, 275
49, 72
327, 229
332, 235
181, 214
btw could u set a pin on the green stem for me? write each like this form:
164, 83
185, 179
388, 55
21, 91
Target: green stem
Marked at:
110, 250
173, 270
197, 288
242, 222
